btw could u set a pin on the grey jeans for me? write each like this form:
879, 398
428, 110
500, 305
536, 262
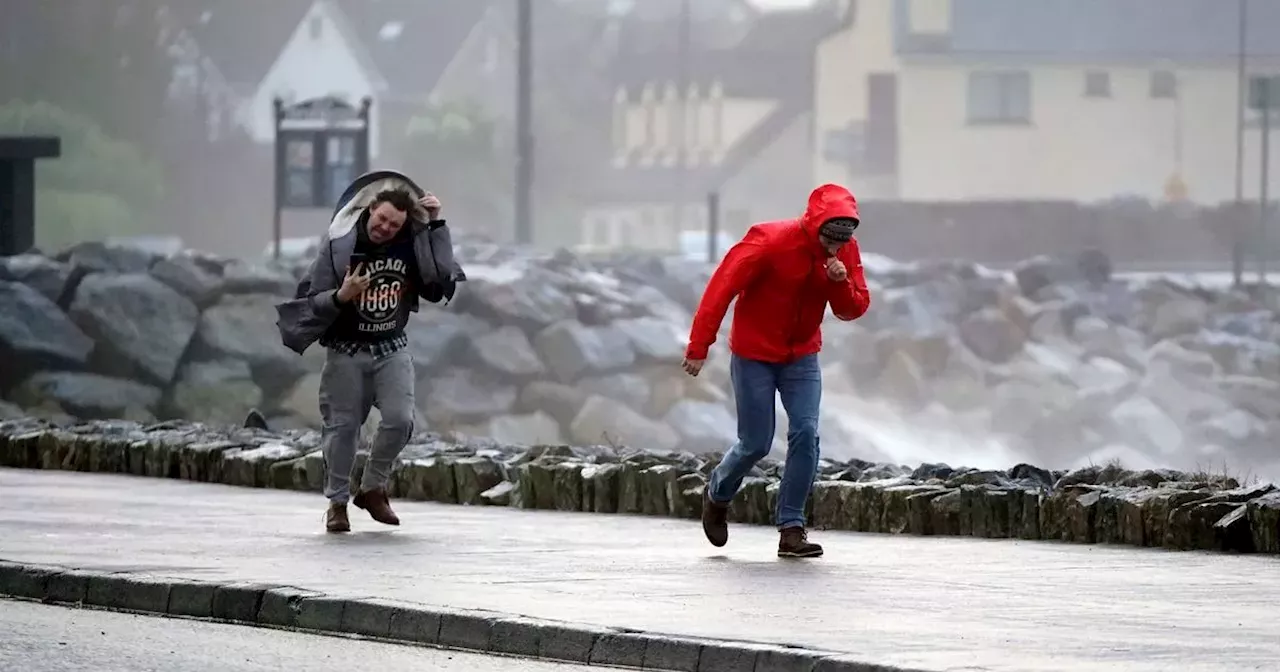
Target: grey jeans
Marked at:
351, 385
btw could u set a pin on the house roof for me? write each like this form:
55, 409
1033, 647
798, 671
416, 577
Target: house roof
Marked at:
411, 42
771, 57
747, 74
665, 9
1177, 30
243, 38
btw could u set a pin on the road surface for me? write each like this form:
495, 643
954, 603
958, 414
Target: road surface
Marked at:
926, 603
41, 638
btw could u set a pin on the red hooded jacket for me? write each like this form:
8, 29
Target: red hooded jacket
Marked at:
778, 274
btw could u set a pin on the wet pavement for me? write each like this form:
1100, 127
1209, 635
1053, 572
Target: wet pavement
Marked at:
932, 603
41, 638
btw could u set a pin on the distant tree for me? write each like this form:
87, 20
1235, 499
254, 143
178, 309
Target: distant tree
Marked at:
454, 149
100, 187
110, 61
111, 65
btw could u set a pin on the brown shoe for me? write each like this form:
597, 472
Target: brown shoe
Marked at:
793, 542
335, 519
715, 521
378, 505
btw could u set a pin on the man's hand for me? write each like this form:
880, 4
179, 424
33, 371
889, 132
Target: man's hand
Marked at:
432, 205
836, 270
693, 366
354, 284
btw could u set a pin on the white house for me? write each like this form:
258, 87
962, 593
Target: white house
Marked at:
322, 57
393, 51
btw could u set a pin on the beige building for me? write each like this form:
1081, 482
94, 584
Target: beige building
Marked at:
1082, 100
753, 150
732, 117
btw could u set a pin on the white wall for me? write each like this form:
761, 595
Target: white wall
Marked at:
312, 64
843, 63
1075, 147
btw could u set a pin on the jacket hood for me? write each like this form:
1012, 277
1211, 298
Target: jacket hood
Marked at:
827, 202
360, 194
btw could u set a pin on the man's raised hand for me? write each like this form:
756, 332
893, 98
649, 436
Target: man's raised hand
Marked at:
354, 284
836, 270
432, 205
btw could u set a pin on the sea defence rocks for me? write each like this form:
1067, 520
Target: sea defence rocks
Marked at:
1057, 362
533, 349
1099, 504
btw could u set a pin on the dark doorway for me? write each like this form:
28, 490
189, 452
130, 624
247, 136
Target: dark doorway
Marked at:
882, 123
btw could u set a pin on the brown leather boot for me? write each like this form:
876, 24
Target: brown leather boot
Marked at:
378, 505
335, 519
793, 542
715, 521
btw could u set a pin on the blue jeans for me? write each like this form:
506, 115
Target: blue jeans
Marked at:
799, 383
350, 385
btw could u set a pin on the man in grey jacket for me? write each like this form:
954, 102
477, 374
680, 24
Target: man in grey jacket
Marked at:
385, 248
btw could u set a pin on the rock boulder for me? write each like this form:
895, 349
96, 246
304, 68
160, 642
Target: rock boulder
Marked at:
142, 325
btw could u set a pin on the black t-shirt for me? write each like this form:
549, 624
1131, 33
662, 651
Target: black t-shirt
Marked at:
381, 312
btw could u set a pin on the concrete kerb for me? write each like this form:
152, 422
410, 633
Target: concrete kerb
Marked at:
294, 608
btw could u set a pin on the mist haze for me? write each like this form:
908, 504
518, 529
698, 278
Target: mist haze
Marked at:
1062, 223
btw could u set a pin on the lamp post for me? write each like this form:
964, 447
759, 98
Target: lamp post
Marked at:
1265, 97
524, 123
1237, 247
684, 49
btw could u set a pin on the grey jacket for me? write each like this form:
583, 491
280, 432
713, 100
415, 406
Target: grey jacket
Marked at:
305, 318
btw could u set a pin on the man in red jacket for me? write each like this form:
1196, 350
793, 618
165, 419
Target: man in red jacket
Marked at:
784, 275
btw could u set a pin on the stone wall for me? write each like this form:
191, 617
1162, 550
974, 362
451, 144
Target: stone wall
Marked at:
1154, 508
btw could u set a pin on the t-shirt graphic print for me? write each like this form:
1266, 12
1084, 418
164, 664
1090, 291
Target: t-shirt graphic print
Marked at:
380, 303
381, 311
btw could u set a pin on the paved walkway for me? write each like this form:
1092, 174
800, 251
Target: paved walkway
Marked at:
931, 603
39, 638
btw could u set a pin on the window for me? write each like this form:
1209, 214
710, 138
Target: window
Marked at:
620, 121
391, 31
717, 118
598, 230
492, 55
675, 140
340, 165
1097, 84
1164, 84
1264, 91
1000, 97
693, 119
650, 106
299, 173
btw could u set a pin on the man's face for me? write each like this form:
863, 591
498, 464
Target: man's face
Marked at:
385, 221
836, 232
832, 246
